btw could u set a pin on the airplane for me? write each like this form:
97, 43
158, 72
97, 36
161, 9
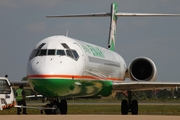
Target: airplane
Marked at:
7, 99
61, 67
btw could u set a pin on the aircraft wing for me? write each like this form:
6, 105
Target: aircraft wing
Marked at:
17, 84
137, 85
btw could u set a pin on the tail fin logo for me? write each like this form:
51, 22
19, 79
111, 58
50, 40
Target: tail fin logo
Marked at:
112, 31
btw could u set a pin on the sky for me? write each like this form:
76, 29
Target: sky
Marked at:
23, 24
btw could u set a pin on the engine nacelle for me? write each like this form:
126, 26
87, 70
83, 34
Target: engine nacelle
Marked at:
142, 69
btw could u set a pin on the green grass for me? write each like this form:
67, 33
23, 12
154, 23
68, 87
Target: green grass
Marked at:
109, 109
115, 109
159, 109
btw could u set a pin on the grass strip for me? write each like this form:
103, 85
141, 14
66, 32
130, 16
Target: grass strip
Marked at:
108, 109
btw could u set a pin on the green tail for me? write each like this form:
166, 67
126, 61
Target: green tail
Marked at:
112, 14
112, 31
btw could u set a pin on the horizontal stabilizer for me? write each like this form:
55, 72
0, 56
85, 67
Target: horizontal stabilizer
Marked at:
82, 15
114, 14
117, 14
144, 14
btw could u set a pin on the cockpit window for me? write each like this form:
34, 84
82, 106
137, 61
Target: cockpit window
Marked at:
51, 52
65, 45
61, 52
43, 52
37, 51
75, 54
69, 53
32, 54
72, 53
41, 45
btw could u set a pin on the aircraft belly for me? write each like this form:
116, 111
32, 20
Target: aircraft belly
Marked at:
71, 88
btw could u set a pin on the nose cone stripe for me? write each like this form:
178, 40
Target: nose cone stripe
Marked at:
60, 76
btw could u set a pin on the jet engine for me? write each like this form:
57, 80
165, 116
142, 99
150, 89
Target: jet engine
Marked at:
142, 69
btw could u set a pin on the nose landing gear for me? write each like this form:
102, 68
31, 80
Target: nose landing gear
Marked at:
58, 107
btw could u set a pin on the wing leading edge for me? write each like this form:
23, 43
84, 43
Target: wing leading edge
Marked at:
137, 86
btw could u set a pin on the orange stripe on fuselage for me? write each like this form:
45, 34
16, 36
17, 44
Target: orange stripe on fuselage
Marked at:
46, 76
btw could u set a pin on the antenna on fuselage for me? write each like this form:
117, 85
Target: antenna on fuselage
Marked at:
114, 15
67, 33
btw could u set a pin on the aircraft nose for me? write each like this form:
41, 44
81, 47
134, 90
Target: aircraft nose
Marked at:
47, 70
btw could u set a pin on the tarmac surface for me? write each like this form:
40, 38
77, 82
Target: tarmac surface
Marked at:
88, 117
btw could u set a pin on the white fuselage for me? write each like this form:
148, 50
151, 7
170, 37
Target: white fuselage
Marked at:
62, 66
91, 60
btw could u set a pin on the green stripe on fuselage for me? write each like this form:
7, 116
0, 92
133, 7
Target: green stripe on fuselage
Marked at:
71, 88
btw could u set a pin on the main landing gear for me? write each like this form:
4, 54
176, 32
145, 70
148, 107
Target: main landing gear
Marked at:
129, 105
57, 107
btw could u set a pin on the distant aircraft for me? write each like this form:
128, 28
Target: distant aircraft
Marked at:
61, 67
7, 99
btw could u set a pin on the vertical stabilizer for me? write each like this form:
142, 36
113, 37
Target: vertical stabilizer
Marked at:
114, 14
112, 31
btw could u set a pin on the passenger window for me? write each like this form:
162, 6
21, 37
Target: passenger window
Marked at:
51, 52
60, 52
